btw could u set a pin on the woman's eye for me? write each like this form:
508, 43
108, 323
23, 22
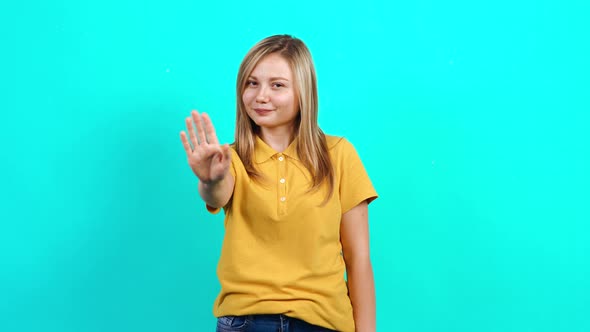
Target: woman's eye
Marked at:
251, 83
278, 85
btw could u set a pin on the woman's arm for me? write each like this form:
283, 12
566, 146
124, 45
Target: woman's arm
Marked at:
217, 194
209, 160
354, 235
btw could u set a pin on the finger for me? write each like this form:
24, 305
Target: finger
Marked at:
191, 132
209, 129
200, 129
185, 144
226, 153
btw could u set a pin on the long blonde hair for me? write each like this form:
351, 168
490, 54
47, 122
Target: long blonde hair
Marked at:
312, 148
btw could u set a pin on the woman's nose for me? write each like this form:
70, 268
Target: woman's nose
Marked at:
262, 95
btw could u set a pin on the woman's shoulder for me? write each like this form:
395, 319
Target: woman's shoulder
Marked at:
337, 143
333, 141
235, 157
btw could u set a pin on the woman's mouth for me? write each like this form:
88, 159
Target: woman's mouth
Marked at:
262, 111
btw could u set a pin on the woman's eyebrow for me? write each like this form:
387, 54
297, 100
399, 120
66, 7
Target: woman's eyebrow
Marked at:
277, 78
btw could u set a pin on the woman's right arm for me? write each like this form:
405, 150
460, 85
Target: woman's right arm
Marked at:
217, 195
209, 160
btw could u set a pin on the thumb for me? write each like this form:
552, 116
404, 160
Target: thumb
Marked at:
226, 152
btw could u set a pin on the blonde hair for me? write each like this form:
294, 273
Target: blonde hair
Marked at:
312, 148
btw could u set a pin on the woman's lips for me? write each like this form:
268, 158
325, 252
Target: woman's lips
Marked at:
262, 111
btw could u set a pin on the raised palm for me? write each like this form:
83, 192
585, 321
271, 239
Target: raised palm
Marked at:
209, 160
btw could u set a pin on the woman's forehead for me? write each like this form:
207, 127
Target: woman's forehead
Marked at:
272, 66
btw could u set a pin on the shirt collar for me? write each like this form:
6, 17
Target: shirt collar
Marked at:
263, 152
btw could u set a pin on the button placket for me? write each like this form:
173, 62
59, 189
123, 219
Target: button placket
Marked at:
282, 183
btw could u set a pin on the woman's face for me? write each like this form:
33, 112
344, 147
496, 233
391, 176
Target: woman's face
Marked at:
269, 96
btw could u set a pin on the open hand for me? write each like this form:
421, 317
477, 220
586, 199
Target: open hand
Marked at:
209, 160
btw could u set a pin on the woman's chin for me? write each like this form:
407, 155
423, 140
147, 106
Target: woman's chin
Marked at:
262, 122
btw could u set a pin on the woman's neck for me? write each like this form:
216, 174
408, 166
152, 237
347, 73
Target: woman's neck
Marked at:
277, 138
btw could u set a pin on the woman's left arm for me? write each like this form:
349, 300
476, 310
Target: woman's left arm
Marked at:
354, 236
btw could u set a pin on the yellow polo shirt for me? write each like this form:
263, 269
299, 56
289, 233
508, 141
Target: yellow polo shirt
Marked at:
281, 252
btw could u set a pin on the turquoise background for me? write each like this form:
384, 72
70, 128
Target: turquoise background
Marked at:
472, 119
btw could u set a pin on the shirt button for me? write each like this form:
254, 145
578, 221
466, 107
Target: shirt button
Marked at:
283, 199
282, 180
281, 158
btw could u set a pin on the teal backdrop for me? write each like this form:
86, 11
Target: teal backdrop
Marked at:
472, 119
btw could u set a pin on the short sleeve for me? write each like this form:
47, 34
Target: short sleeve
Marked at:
232, 169
354, 183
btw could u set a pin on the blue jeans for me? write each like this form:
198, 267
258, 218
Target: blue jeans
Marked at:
265, 323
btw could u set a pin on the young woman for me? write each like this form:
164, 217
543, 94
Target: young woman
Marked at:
295, 202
